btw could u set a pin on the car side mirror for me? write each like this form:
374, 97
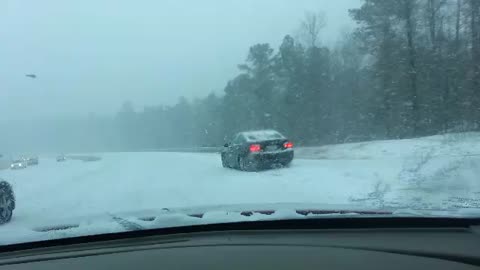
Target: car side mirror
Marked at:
226, 145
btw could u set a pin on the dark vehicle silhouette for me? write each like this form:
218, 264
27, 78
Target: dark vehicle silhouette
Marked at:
32, 161
255, 150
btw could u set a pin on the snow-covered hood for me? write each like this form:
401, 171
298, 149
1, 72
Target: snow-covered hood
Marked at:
174, 217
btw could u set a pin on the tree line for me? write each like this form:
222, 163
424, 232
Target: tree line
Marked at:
409, 68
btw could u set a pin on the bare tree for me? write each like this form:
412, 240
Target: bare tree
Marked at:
434, 20
458, 15
475, 39
407, 14
310, 27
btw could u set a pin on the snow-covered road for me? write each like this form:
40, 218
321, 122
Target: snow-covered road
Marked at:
421, 173
131, 181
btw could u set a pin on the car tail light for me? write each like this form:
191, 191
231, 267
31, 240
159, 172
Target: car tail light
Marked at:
288, 145
255, 148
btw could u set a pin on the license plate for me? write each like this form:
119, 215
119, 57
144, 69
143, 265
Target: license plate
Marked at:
271, 147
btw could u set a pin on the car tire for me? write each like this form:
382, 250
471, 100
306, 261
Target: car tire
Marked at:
241, 163
7, 202
244, 165
224, 162
286, 164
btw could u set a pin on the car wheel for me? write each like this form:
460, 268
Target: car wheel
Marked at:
241, 163
244, 164
224, 162
287, 163
7, 202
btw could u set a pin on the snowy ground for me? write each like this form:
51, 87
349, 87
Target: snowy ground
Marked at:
427, 173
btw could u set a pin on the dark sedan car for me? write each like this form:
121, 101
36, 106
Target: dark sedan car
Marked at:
254, 150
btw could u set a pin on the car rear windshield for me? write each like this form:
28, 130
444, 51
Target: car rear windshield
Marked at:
263, 135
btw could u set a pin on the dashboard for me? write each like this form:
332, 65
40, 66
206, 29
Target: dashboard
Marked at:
444, 247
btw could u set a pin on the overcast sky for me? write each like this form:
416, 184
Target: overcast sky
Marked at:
92, 55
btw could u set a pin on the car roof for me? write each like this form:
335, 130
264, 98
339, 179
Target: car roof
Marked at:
262, 135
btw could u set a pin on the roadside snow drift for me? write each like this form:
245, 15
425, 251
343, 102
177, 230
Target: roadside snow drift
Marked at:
438, 172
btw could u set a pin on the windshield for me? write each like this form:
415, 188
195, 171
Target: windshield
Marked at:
262, 135
149, 114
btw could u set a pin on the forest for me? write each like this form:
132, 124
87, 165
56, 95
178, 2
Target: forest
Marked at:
408, 68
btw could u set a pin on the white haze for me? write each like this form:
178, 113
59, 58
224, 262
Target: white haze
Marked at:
90, 56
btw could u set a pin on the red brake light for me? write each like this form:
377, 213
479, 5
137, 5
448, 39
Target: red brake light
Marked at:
288, 145
255, 148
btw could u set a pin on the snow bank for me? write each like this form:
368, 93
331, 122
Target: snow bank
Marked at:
456, 144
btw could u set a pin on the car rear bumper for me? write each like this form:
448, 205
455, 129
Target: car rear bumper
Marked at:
269, 158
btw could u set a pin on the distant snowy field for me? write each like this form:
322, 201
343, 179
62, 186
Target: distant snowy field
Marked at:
437, 172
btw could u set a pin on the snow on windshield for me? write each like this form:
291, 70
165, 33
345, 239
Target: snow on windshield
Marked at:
262, 135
